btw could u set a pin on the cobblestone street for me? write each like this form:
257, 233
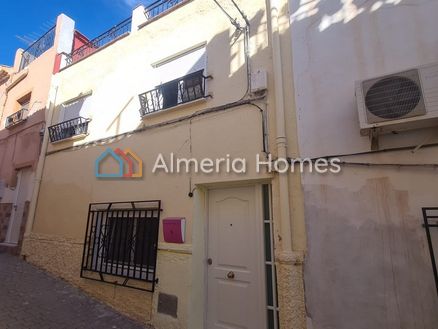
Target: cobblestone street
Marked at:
32, 299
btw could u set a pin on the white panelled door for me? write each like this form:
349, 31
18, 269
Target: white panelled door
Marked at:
22, 195
235, 292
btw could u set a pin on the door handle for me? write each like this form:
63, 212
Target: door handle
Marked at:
230, 275
209, 261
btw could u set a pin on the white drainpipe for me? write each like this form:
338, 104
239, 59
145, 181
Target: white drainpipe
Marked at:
286, 239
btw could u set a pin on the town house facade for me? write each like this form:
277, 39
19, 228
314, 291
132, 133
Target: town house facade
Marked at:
178, 250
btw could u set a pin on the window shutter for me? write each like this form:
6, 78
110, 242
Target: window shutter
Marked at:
78, 108
180, 66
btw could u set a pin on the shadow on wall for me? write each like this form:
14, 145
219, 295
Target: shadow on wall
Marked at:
336, 43
20, 146
344, 12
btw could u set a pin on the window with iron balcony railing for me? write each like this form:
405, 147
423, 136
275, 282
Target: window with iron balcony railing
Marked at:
68, 129
170, 94
73, 118
153, 11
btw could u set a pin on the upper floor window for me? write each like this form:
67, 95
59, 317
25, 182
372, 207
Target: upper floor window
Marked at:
24, 103
78, 107
72, 121
182, 79
20, 115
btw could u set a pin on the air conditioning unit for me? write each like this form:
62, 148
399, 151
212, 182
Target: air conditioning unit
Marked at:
16, 118
400, 101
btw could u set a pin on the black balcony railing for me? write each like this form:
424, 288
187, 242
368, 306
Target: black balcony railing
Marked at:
159, 7
430, 217
105, 38
16, 118
68, 129
179, 91
37, 48
121, 240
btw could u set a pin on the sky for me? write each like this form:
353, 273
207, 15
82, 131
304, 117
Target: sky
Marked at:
29, 19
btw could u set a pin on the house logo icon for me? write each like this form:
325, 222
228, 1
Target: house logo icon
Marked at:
128, 164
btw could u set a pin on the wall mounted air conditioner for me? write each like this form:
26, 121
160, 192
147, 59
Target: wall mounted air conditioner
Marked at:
401, 101
16, 118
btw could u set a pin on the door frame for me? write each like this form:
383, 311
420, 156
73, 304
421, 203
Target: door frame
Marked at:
260, 231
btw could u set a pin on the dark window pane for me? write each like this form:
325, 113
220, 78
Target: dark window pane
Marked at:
119, 239
191, 87
276, 290
267, 242
266, 210
269, 292
145, 247
271, 324
169, 91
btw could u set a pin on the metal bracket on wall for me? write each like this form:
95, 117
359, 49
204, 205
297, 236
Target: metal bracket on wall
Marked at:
374, 139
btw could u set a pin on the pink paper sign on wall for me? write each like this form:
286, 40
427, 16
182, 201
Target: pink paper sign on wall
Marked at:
174, 229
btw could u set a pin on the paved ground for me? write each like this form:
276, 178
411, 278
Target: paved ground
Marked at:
32, 299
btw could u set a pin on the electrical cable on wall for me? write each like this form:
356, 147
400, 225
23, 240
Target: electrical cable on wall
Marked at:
392, 149
371, 164
246, 31
199, 113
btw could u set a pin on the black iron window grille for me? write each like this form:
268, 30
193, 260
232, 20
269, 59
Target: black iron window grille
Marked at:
16, 118
159, 7
121, 240
68, 129
179, 91
430, 217
105, 38
37, 48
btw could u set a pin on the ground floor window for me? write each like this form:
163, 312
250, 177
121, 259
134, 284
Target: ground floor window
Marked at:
122, 240
271, 278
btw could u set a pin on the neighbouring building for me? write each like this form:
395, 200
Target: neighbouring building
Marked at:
24, 98
370, 67
178, 80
